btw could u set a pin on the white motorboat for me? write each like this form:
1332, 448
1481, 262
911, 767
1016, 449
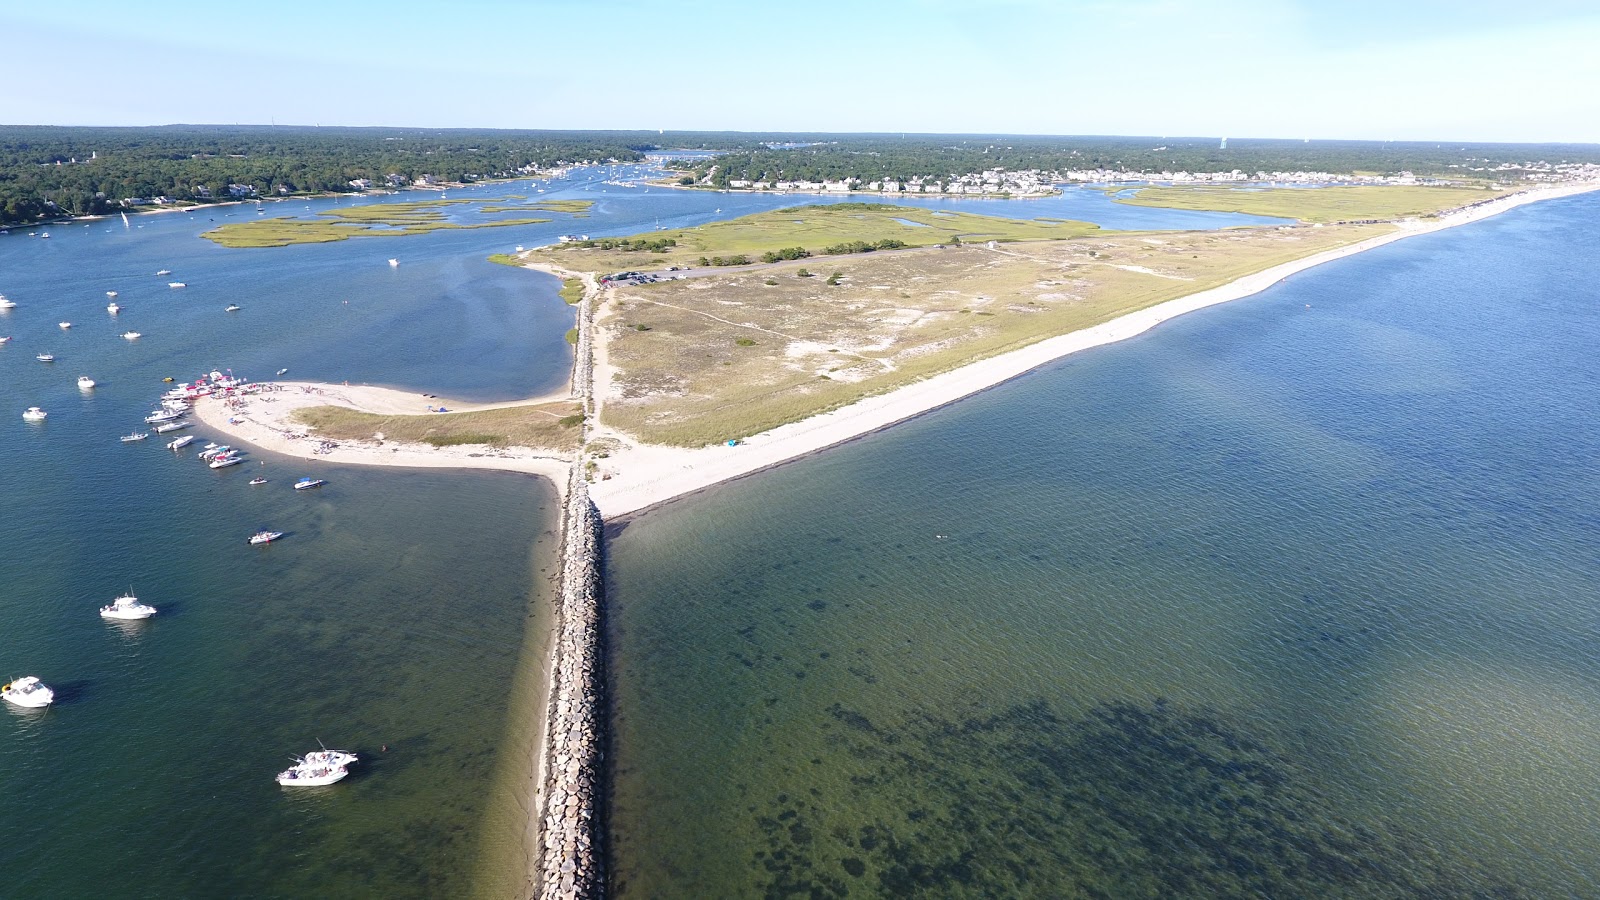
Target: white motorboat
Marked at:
232, 307
213, 450
173, 426
135, 436
113, 308
64, 325
111, 295
258, 480
46, 357
181, 443
34, 414
6, 339
132, 335
7, 304
394, 262
307, 483
28, 692
222, 462
164, 272
326, 757
85, 382
305, 773
164, 415
265, 537
176, 284
128, 608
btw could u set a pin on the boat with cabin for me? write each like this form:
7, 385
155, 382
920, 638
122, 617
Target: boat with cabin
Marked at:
135, 436
307, 483
132, 335
265, 537
28, 692
85, 382
34, 414
127, 608
180, 443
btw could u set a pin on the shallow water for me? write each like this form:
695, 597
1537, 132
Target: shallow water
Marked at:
1290, 597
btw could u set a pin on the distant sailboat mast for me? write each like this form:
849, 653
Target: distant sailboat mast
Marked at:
125, 221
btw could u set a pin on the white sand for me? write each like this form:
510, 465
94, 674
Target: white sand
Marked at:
639, 476
262, 420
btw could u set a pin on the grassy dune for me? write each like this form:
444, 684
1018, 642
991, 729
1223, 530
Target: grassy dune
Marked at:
550, 426
349, 224
1330, 204
707, 359
816, 227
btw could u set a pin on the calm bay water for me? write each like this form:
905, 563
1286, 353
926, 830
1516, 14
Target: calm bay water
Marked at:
1295, 597
383, 620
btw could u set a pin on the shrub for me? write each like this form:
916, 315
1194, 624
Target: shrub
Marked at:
572, 336
745, 342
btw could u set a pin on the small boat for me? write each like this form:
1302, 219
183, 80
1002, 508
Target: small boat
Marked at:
132, 335
113, 308
45, 235
167, 380
279, 374
34, 414
111, 294
305, 773
394, 262
7, 304
163, 415
127, 607
232, 307
258, 480
135, 436
307, 483
173, 426
29, 692
176, 284
164, 272
181, 443
5, 340
222, 462
265, 537
46, 357
85, 382
65, 325
210, 450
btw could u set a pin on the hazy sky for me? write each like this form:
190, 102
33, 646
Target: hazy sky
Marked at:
1381, 69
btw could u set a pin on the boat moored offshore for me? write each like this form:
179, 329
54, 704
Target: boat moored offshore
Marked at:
28, 692
265, 537
128, 608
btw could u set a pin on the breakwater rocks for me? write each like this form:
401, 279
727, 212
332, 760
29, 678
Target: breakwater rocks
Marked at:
570, 864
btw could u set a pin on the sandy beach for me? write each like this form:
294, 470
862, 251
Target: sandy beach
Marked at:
638, 476
264, 420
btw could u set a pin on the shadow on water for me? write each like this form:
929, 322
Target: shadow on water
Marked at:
1144, 800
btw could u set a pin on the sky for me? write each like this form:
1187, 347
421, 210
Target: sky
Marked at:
1320, 69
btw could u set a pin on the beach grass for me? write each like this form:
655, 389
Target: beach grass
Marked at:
572, 290
704, 360
544, 426
814, 228
284, 232
1342, 203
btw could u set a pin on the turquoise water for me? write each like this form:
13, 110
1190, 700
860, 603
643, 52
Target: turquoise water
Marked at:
1293, 597
400, 611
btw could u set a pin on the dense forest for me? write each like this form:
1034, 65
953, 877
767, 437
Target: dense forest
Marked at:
903, 157
51, 171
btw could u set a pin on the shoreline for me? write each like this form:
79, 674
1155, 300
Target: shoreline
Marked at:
263, 421
639, 476
644, 476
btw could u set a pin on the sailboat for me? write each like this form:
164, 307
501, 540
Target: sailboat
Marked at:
125, 221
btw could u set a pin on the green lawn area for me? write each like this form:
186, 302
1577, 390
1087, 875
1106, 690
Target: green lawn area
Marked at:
816, 227
1343, 203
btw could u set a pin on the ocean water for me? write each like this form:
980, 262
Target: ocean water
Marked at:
1294, 597
402, 611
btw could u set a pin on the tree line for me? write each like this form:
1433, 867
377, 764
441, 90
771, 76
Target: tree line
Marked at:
48, 171
901, 158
